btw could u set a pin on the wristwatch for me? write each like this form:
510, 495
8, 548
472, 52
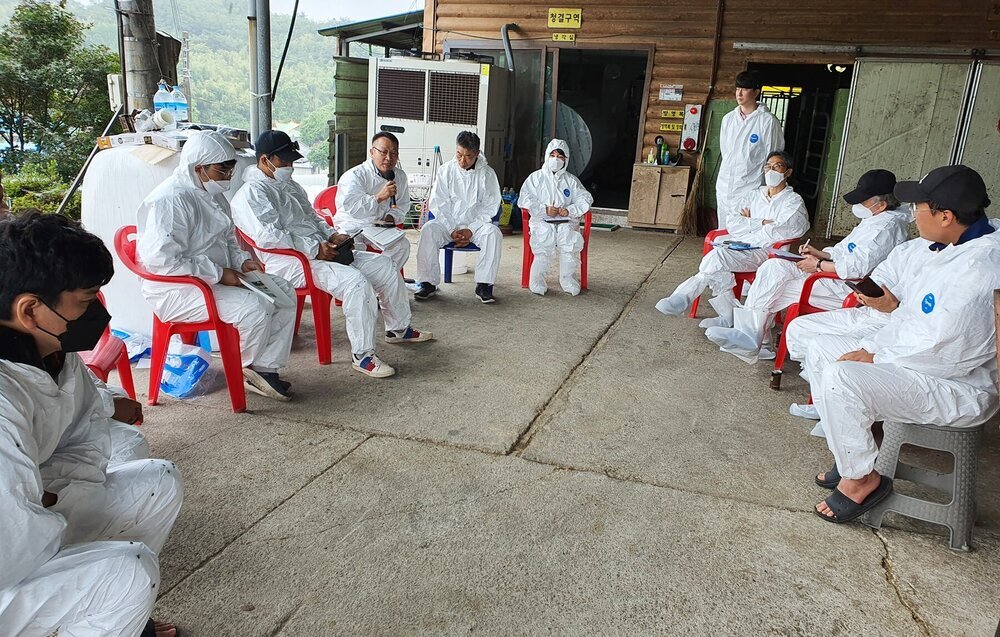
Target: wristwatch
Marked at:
819, 264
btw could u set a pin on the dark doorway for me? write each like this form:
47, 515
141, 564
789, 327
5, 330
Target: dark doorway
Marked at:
802, 97
599, 96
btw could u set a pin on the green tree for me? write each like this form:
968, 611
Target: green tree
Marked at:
54, 98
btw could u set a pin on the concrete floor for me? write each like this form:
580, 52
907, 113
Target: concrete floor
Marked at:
551, 465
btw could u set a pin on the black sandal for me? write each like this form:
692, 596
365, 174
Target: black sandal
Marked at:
831, 478
845, 509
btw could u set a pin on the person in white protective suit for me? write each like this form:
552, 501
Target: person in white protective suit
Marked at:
779, 282
895, 275
934, 362
464, 199
556, 201
185, 229
375, 193
750, 133
770, 214
80, 535
275, 212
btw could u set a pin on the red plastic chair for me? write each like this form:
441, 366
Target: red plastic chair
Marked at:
802, 308
110, 354
325, 204
528, 257
228, 336
320, 299
742, 278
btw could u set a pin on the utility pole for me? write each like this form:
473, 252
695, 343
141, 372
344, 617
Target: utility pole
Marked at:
252, 47
186, 74
263, 66
139, 43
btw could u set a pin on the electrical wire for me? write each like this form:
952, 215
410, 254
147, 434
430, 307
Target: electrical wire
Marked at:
284, 52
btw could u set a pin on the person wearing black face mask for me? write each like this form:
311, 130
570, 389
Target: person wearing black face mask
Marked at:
80, 534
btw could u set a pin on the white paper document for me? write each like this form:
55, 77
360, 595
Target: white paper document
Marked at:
785, 254
261, 284
383, 236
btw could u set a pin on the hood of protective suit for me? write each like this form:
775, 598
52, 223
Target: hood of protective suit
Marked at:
202, 148
556, 144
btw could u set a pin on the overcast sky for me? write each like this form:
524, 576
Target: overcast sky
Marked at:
352, 10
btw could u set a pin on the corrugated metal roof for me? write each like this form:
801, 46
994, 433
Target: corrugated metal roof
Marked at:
395, 31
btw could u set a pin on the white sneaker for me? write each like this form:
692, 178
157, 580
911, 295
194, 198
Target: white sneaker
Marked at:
409, 335
372, 365
766, 354
804, 411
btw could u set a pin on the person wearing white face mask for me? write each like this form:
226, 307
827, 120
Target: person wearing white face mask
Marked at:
934, 362
770, 214
555, 201
375, 193
275, 212
185, 229
779, 282
748, 134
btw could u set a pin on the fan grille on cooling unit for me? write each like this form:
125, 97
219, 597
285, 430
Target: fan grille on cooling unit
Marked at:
401, 94
454, 98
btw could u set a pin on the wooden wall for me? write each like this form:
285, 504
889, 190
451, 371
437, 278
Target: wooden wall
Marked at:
683, 33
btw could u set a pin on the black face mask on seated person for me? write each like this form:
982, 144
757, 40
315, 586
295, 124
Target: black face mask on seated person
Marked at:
84, 332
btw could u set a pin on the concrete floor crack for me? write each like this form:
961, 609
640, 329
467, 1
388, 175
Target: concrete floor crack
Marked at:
526, 435
890, 577
205, 561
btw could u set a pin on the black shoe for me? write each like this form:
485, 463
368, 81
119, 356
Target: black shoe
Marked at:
266, 384
485, 292
425, 292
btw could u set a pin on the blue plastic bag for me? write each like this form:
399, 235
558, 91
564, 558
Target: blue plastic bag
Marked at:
184, 368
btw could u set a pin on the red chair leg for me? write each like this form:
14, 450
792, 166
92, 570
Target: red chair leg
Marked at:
527, 257
300, 304
232, 364
321, 317
583, 268
782, 353
125, 374
158, 357
694, 306
189, 338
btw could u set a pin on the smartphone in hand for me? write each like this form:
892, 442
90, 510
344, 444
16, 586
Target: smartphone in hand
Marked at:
866, 287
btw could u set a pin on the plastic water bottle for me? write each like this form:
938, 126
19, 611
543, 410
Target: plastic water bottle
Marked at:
179, 104
161, 99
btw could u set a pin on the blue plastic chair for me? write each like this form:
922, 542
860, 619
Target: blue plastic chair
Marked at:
450, 248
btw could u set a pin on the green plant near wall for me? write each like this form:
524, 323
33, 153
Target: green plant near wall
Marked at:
38, 185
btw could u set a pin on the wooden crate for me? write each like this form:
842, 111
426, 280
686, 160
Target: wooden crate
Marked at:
658, 196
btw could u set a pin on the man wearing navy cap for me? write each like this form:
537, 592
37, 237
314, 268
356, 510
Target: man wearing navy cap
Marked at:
882, 226
275, 212
934, 362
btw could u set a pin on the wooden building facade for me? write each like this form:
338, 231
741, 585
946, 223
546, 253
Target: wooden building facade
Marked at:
700, 46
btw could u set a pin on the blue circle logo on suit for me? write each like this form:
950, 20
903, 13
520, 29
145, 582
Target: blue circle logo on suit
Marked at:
754, 138
566, 191
850, 248
927, 305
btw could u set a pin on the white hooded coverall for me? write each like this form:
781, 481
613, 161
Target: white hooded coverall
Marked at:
935, 361
790, 220
278, 215
779, 282
86, 566
357, 207
462, 200
561, 190
184, 230
745, 145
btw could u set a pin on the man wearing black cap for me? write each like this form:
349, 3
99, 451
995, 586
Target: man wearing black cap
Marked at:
934, 362
779, 282
749, 134
275, 212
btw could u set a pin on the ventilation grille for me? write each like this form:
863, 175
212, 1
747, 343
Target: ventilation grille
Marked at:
400, 94
454, 98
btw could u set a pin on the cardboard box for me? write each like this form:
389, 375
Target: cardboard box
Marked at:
163, 140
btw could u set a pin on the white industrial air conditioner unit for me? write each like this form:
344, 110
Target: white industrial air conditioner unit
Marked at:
426, 103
